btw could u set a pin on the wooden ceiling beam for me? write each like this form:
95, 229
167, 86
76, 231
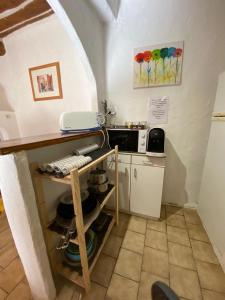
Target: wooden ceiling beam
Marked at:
31, 10
2, 49
7, 32
9, 4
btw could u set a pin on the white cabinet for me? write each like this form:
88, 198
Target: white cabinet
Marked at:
140, 184
146, 190
124, 185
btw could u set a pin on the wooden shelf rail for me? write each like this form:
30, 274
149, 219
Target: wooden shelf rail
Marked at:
82, 224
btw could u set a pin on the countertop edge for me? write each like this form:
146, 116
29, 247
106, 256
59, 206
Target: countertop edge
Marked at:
29, 143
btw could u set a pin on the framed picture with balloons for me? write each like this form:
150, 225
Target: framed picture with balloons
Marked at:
159, 65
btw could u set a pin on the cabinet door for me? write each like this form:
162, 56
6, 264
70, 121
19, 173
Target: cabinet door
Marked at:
146, 190
124, 185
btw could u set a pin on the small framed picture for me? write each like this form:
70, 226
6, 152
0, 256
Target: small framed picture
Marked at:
46, 82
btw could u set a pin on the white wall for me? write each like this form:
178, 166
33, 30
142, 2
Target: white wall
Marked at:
90, 29
41, 43
201, 25
8, 125
211, 199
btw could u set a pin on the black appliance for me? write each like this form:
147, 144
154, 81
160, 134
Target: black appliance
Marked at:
155, 142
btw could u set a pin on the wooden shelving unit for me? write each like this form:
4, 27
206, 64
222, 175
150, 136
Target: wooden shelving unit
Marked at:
82, 223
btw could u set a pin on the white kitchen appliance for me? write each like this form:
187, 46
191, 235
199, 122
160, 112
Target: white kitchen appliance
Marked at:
128, 140
155, 142
79, 121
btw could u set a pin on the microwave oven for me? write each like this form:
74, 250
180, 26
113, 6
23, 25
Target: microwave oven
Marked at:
128, 140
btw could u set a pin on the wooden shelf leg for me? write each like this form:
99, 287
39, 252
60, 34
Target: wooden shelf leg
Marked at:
80, 228
116, 186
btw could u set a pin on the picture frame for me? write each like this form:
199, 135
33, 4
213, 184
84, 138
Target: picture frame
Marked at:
158, 65
46, 82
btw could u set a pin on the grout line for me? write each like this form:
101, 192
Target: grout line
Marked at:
22, 280
222, 294
113, 272
195, 263
146, 227
127, 278
169, 279
138, 253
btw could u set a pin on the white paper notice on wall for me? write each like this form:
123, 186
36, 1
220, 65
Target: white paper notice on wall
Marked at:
158, 108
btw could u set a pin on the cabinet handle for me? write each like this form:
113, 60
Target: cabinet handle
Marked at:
135, 173
147, 163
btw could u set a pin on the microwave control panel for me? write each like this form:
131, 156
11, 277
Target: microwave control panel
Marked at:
142, 140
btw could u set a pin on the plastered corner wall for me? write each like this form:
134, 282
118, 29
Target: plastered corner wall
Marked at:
200, 24
41, 43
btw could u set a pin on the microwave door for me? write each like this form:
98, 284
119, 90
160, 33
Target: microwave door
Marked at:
126, 140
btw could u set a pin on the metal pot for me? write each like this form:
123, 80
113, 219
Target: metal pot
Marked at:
97, 176
99, 188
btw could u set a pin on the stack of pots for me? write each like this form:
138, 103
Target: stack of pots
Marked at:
98, 181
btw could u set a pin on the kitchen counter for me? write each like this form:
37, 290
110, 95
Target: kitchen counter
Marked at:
19, 198
39, 141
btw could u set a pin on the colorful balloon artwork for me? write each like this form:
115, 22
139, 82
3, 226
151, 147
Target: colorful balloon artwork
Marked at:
158, 66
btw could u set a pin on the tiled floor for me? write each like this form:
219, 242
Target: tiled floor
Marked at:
175, 250
13, 284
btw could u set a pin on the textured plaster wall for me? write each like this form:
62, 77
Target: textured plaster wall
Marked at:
201, 25
42, 43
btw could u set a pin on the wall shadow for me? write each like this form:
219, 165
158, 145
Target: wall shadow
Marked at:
175, 177
4, 103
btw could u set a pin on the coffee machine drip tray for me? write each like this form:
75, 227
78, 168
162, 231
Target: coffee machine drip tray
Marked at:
156, 154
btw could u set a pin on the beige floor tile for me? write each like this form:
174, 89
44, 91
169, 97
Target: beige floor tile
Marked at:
159, 225
112, 246
181, 256
174, 210
147, 280
176, 221
191, 216
203, 251
121, 229
211, 276
3, 223
66, 289
185, 283
7, 254
156, 262
210, 295
129, 264
121, 288
21, 292
12, 275
3, 295
5, 237
178, 235
156, 239
197, 232
103, 270
96, 292
134, 241
137, 224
